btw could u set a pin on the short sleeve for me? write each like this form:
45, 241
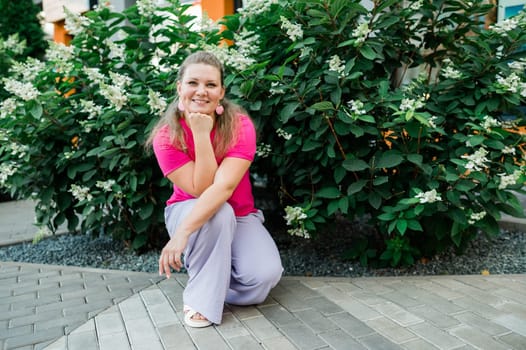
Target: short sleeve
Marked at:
245, 144
169, 157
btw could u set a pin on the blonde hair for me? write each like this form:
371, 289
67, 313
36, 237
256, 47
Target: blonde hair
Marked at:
226, 123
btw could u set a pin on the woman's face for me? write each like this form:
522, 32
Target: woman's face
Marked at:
200, 89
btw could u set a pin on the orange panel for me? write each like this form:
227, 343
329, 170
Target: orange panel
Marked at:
217, 9
60, 34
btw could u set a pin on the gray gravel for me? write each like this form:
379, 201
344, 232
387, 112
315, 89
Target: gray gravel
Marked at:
505, 254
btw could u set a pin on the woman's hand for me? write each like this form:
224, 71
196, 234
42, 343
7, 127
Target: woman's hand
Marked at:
171, 254
200, 123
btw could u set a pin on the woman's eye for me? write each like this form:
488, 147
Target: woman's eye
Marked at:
211, 85
192, 83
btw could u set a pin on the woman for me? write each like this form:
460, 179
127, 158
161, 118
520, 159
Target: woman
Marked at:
204, 145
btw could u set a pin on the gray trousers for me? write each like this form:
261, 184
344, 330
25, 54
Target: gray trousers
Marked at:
229, 259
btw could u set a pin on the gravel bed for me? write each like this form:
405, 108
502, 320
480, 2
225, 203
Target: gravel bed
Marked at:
505, 254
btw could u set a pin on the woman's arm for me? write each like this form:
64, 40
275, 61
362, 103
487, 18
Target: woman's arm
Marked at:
226, 179
195, 177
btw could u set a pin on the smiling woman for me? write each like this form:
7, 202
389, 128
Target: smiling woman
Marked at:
205, 145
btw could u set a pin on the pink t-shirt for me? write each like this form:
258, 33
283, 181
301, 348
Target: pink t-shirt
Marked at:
170, 158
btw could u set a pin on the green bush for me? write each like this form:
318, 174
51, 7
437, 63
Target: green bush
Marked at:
348, 128
74, 126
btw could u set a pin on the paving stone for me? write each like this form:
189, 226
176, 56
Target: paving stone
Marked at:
352, 325
175, 336
418, 344
281, 343
398, 314
436, 336
278, 315
476, 338
231, 327
516, 341
207, 338
244, 312
391, 330
244, 342
340, 340
377, 342
302, 336
261, 328
359, 309
109, 322
59, 344
481, 323
34, 338
478, 307
513, 323
435, 317
402, 299
315, 320
114, 341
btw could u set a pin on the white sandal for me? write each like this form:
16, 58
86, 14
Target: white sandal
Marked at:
189, 313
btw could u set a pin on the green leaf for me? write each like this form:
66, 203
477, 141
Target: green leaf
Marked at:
356, 187
375, 200
415, 158
355, 164
323, 106
328, 192
389, 159
288, 111
367, 52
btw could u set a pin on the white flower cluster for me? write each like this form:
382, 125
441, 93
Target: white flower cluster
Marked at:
116, 50
8, 107
62, 56
25, 91
429, 196
518, 66
283, 133
336, 65
93, 74
294, 217
80, 193
489, 122
276, 88
361, 33
88, 106
263, 150
503, 27
146, 8
432, 121
105, 185
207, 24
16, 149
451, 73
255, 7
508, 150
13, 43
409, 104
294, 31
115, 93
474, 217
156, 102
477, 160
357, 107
513, 84
417, 5
7, 169
75, 23
29, 69
509, 180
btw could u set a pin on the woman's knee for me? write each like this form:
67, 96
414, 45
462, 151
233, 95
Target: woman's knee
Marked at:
223, 222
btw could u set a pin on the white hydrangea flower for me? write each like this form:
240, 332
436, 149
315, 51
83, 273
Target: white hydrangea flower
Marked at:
80, 193
263, 150
94, 75
105, 185
62, 55
283, 133
294, 215
294, 30
509, 180
361, 32
7, 169
156, 102
357, 107
115, 95
474, 217
255, 7
120, 80
489, 122
429, 196
451, 73
299, 231
8, 107
409, 104
146, 8
29, 69
518, 66
508, 150
24, 90
14, 44
116, 50
75, 23
17, 149
477, 161
506, 25
512, 83
336, 65
91, 108
417, 5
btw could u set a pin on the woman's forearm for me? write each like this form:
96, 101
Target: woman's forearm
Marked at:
205, 163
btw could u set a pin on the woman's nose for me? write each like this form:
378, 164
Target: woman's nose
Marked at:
201, 89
